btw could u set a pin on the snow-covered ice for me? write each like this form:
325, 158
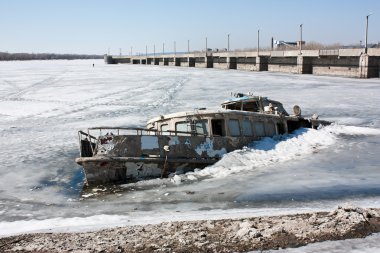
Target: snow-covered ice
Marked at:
44, 103
369, 244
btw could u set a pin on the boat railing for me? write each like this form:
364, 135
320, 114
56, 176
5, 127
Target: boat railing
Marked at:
88, 141
133, 131
121, 131
87, 144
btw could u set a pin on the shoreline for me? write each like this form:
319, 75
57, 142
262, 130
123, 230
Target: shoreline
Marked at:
224, 235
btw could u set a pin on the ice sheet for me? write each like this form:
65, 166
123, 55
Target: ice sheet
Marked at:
44, 103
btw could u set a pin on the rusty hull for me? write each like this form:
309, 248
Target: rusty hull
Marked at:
122, 158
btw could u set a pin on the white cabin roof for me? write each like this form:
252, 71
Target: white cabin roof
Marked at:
197, 112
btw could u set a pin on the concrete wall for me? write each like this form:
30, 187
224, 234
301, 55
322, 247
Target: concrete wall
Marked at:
342, 62
283, 68
246, 63
200, 62
248, 67
336, 71
200, 65
336, 66
183, 62
220, 62
283, 64
217, 65
374, 66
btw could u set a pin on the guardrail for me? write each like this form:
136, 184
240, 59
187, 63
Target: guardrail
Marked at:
325, 52
88, 142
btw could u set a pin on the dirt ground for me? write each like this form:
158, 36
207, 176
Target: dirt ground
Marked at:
227, 235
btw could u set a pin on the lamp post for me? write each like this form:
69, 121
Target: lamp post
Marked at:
131, 50
228, 42
188, 46
300, 38
206, 45
258, 42
163, 48
146, 51
154, 50
174, 49
366, 34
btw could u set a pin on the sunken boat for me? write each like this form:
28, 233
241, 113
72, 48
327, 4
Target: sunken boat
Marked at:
184, 141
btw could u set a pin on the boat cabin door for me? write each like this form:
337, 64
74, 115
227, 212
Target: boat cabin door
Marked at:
218, 127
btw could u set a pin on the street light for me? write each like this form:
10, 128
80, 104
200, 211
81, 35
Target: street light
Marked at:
154, 50
301, 39
366, 34
188, 46
163, 48
228, 44
258, 42
174, 49
206, 45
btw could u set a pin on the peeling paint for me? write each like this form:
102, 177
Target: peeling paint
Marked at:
106, 144
208, 147
173, 140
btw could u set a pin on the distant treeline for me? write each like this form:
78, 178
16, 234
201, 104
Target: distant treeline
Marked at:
46, 56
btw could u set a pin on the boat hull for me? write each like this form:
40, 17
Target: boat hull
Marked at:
115, 170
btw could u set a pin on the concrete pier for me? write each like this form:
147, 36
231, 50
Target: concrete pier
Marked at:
343, 62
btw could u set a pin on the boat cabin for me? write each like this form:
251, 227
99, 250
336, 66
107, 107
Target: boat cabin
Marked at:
250, 103
243, 116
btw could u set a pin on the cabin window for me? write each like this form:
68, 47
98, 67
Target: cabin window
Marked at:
271, 129
182, 127
164, 129
233, 125
247, 128
234, 106
251, 106
201, 127
259, 129
217, 126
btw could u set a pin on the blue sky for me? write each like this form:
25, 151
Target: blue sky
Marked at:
93, 26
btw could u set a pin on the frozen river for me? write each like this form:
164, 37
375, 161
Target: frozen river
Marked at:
44, 103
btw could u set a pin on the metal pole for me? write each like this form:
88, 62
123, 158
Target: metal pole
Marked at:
206, 45
174, 49
301, 38
131, 50
154, 50
188, 46
258, 42
146, 51
163, 48
366, 34
120, 51
228, 44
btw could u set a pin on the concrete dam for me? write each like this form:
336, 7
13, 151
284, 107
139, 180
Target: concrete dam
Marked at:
341, 62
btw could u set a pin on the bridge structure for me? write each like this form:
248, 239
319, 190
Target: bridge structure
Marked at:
341, 62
